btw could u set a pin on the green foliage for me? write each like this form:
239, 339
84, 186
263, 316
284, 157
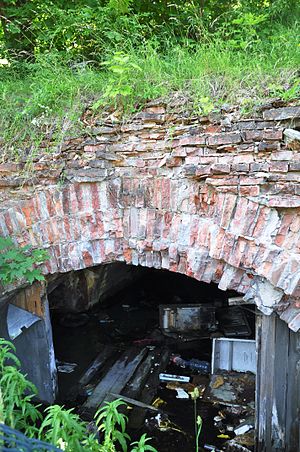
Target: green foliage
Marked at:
59, 426
19, 262
112, 424
65, 56
199, 423
120, 84
63, 428
141, 445
291, 92
120, 6
16, 393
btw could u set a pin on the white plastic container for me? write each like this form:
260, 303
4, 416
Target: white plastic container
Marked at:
238, 355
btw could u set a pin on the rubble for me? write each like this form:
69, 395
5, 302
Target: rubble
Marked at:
138, 362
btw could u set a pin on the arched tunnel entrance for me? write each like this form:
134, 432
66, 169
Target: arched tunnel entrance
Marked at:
170, 346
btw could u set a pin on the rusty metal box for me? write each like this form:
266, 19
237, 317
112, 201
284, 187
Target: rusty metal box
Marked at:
187, 318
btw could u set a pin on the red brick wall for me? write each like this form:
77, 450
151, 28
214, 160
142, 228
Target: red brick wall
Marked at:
213, 198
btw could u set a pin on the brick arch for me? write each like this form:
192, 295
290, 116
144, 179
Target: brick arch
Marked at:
166, 223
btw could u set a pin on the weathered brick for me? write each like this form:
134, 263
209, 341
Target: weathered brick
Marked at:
278, 114
259, 166
240, 167
250, 190
294, 166
192, 140
224, 138
247, 124
263, 146
272, 134
282, 155
220, 168
279, 167
253, 135
202, 170
173, 162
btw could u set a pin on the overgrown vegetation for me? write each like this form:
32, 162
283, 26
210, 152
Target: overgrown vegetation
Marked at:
56, 425
17, 263
64, 56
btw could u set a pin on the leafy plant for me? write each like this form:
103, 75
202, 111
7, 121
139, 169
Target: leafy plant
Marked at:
142, 446
199, 423
60, 427
197, 419
245, 29
19, 262
291, 92
63, 428
121, 82
16, 393
109, 420
120, 6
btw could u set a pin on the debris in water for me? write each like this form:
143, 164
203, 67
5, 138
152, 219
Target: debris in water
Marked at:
106, 319
158, 402
211, 448
187, 318
244, 427
163, 423
247, 440
169, 377
202, 367
216, 381
233, 446
65, 368
181, 394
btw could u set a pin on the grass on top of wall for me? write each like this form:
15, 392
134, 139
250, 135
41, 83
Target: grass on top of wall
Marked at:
47, 97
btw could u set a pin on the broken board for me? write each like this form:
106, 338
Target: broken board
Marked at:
114, 380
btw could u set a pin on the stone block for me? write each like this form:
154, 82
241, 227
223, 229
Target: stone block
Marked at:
240, 167
253, 135
224, 138
292, 139
263, 146
278, 114
192, 140
294, 166
172, 162
250, 190
246, 125
203, 170
259, 167
220, 168
272, 134
278, 167
282, 155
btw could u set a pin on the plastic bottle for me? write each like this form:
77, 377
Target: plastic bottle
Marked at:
203, 367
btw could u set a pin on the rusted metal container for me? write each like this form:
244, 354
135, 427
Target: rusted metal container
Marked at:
187, 318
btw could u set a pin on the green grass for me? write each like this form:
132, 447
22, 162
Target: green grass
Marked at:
47, 98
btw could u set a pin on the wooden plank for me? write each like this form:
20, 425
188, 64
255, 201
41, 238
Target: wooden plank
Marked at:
115, 379
134, 402
99, 361
281, 366
266, 389
149, 391
136, 384
258, 334
292, 424
278, 389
